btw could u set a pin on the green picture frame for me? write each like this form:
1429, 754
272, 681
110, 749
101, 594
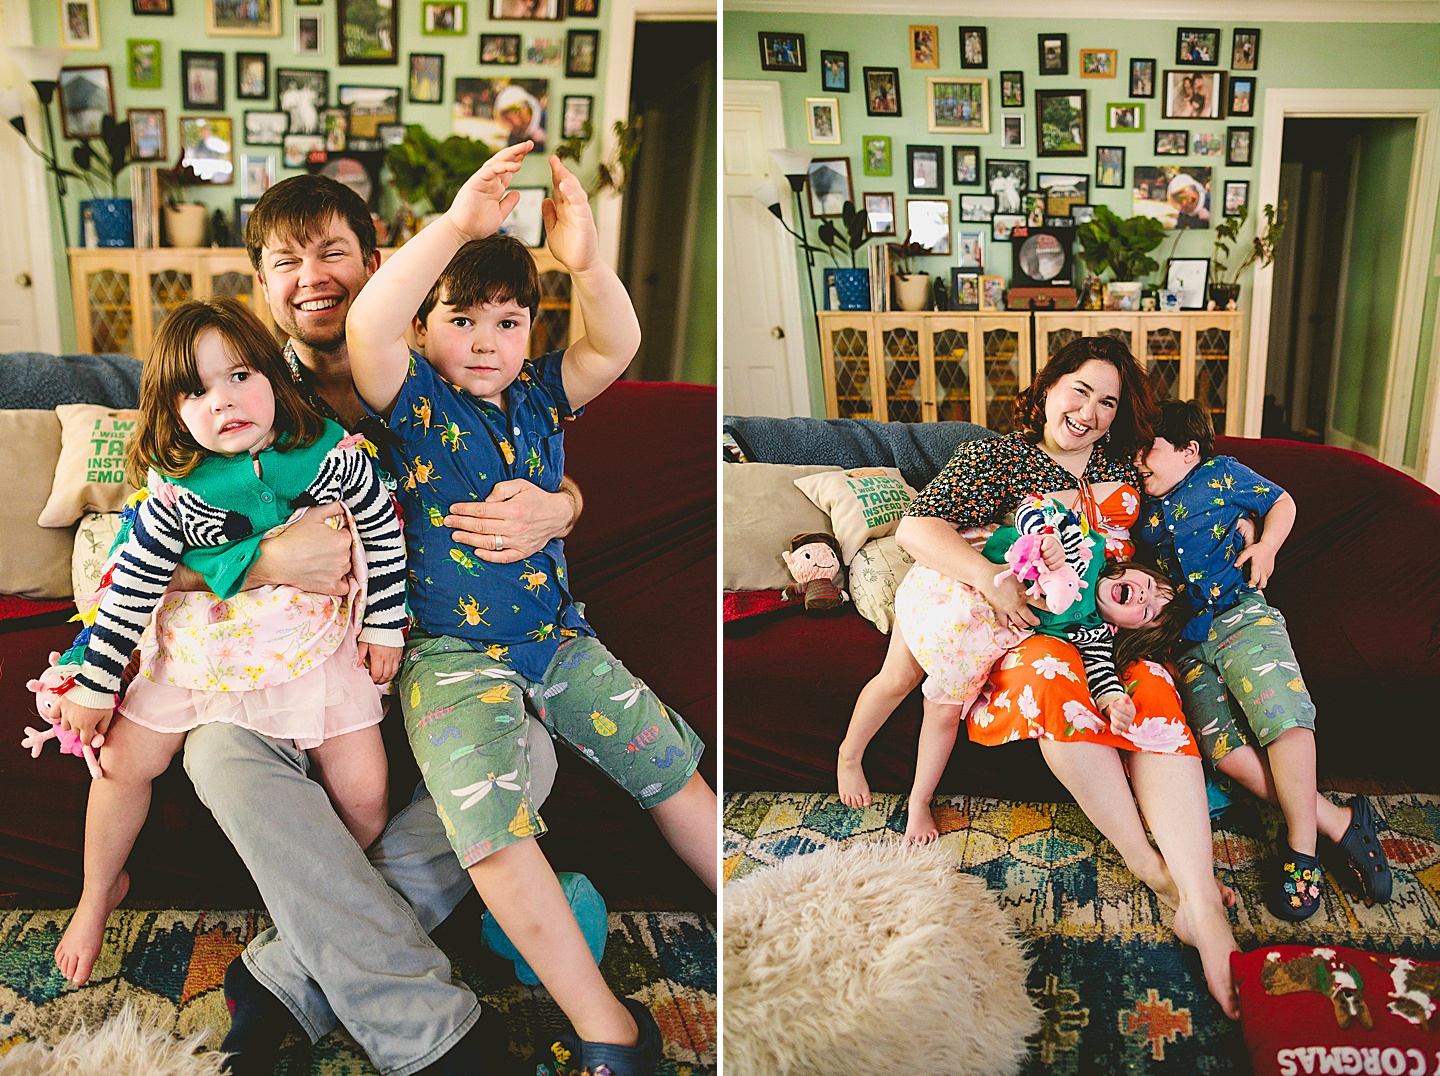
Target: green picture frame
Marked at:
875, 156
444, 18
1124, 117
142, 63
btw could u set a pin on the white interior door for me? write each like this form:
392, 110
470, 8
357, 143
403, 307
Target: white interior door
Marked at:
764, 360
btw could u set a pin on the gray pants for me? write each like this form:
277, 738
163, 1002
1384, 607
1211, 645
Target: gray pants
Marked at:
351, 941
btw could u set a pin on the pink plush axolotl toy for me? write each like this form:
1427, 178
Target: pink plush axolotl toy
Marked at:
47, 699
1058, 588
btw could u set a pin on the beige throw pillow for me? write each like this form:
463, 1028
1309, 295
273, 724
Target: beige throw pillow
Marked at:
93, 539
90, 476
875, 574
862, 503
762, 511
34, 561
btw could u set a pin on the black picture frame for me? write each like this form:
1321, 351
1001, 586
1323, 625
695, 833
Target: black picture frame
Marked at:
1241, 57
919, 154
980, 207
1142, 76
570, 129
881, 83
1012, 89
313, 78
1057, 61
1007, 181
1176, 105
1105, 159
419, 80
1002, 225
583, 9
152, 7
580, 61
782, 51
238, 222
959, 276
976, 59
505, 49
1053, 186
965, 160
341, 167
1193, 43
527, 10
1239, 146
1069, 148
254, 136
190, 62
1172, 142
348, 97
1033, 258
247, 60
834, 71
1200, 264
363, 44
1243, 186
1235, 105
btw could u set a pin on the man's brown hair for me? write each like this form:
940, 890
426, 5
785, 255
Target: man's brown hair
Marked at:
1135, 413
295, 210
1183, 422
162, 439
490, 270
1157, 639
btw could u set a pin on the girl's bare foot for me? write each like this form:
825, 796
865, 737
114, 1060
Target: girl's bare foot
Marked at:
76, 953
921, 828
1169, 894
854, 790
1206, 928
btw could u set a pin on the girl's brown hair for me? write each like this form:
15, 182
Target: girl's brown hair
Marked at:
1157, 639
162, 440
1136, 414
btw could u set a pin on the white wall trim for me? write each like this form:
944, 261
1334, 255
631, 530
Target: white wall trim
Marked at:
1245, 13
1427, 459
1424, 107
624, 14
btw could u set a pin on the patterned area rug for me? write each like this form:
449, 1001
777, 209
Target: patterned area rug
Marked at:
1118, 992
170, 966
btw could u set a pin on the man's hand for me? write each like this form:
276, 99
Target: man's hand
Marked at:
522, 514
569, 225
1261, 558
382, 661
84, 721
1119, 710
311, 554
482, 203
1052, 552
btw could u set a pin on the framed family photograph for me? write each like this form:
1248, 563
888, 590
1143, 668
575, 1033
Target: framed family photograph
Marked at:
499, 48
368, 32
79, 24
143, 64
447, 19
299, 148
1197, 46
575, 112
501, 112
301, 94
207, 144
965, 286
924, 169
1007, 182
1060, 119
970, 249
1239, 142
369, 107
1188, 277
526, 221
782, 52
876, 150
252, 76
1207, 144
335, 125
1012, 89
965, 166
257, 173
880, 213
928, 222
147, 134
582, 49
1245, 49
427, 78
545, 51
974, 48
1178, 197
1054, 54
1194, 95
1237, 197
828, 179
1172, 143
977, 207
992, 293
1122, 116
542, 10
1002, 225
822, 120
1097, 63
1110, 166
1242, 96
958, 105
152, 7
202, 80
242, 18
1142, 78
266, 128
1012, 131
834, 71
1062, 191
583, 9
309, 34
882, 91
924, 46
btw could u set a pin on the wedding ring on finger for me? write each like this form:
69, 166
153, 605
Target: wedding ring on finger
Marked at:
499, 543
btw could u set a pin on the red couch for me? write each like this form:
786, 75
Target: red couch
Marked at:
1358, 581
642, 559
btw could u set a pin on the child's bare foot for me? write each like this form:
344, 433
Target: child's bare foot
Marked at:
1206, 928
1169, 894
76, 953
921, 828
854, 789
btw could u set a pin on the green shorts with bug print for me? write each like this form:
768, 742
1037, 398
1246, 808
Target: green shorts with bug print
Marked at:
1243, 683
464, 711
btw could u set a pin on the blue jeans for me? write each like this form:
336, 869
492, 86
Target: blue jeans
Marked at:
351, 940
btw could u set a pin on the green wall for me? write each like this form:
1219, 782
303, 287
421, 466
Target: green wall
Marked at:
1292, 55
186, 30
1387, 148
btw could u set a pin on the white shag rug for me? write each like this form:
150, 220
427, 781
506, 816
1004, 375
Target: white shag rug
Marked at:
872, 960
122, 1046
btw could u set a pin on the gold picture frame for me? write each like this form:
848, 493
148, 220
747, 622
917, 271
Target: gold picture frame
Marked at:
230, 18
955, 105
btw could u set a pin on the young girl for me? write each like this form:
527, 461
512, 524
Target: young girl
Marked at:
227, 450
947, 633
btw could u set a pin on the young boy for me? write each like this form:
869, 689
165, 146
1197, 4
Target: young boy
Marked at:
1239, 681
490, 640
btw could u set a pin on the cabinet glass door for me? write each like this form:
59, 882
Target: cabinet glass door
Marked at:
850, 350
951, 348
551, 329
900, 348
108, 301
168, 289
1212, 371
1002, 377
1162, 359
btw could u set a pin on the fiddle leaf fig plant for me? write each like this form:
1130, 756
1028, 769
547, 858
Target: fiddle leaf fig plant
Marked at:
1119, 247
424, 169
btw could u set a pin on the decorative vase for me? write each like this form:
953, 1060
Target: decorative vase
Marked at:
1224, 295
185, 224
113, 220
912, 291
851, 289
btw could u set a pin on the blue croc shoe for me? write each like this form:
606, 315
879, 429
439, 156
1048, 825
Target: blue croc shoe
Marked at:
1361, 846
1295, 893
569, 1055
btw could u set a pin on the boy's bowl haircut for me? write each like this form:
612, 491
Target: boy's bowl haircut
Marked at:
495, 269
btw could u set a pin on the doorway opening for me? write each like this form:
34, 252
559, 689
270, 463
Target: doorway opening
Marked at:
669, 218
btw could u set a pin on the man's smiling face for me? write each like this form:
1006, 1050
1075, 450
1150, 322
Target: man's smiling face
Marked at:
309, 284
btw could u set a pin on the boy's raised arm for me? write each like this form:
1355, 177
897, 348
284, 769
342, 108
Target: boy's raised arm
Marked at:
612, 331
380, 314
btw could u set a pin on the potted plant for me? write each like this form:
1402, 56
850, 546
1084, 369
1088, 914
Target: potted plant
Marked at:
184, 221
100, 165
1119, 247
851, 285
912, 288
427, 172
1225, 281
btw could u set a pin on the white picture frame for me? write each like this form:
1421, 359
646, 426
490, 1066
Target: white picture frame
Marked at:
525, 221
1188, 277
822, 121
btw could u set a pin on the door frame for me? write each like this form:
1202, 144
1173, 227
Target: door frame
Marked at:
1423, 106
765, 96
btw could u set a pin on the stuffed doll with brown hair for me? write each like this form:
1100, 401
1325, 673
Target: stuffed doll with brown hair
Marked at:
814, 561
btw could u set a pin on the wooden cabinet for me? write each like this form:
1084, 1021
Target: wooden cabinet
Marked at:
122, 295
926, 366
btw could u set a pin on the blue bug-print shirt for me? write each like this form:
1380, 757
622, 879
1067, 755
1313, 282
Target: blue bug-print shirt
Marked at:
454, 447
1192, 530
